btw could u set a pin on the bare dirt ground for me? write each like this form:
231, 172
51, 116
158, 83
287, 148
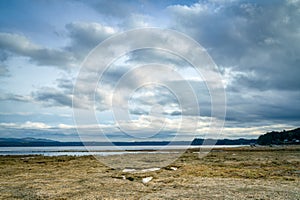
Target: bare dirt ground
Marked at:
240, 173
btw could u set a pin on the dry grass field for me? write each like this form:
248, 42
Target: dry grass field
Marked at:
237, 173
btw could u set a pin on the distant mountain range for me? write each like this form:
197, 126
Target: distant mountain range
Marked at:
34, 142
283, 137
24, 140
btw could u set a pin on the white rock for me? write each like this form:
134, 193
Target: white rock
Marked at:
147, 179
173, 168
142, 170
129, 170
150, 169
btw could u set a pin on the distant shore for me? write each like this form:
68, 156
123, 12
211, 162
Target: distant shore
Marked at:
38, 142
114, 150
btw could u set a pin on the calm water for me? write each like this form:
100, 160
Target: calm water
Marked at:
95, 150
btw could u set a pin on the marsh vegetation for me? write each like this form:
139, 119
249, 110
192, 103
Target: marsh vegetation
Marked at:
237, 173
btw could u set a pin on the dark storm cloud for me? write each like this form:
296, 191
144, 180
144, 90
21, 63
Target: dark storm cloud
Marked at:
138, 111
174, 113
263, 105
85, 36
22, 46
4, 72
258, 42
15, 97
259, 38
112, 75
146, 56
65, 83
61, 95
3, 55
4, 69
53, 97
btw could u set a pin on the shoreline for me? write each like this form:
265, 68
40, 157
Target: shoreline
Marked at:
216, 147
201, 152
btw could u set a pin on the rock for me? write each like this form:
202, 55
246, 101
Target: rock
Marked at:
147, 179
150, 169
141, 170
129, 170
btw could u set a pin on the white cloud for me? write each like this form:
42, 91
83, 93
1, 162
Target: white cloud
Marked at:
8, 125
34, 125
26, 125
196, 8
137, 21
254, 131
65, 126
293, 2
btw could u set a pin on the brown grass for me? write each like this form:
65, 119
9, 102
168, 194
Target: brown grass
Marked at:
247, 173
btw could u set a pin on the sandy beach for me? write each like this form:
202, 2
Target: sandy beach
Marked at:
237, 173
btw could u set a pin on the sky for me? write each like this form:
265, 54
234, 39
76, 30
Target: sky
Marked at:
255, 46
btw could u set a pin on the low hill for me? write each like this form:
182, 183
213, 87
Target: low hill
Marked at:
283, 137
240, 141
20, 142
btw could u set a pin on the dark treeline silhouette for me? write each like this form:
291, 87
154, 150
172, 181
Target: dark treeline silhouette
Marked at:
240, 141
278, 138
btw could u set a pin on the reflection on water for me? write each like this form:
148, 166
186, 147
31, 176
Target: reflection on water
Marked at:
75, 153
96, 150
